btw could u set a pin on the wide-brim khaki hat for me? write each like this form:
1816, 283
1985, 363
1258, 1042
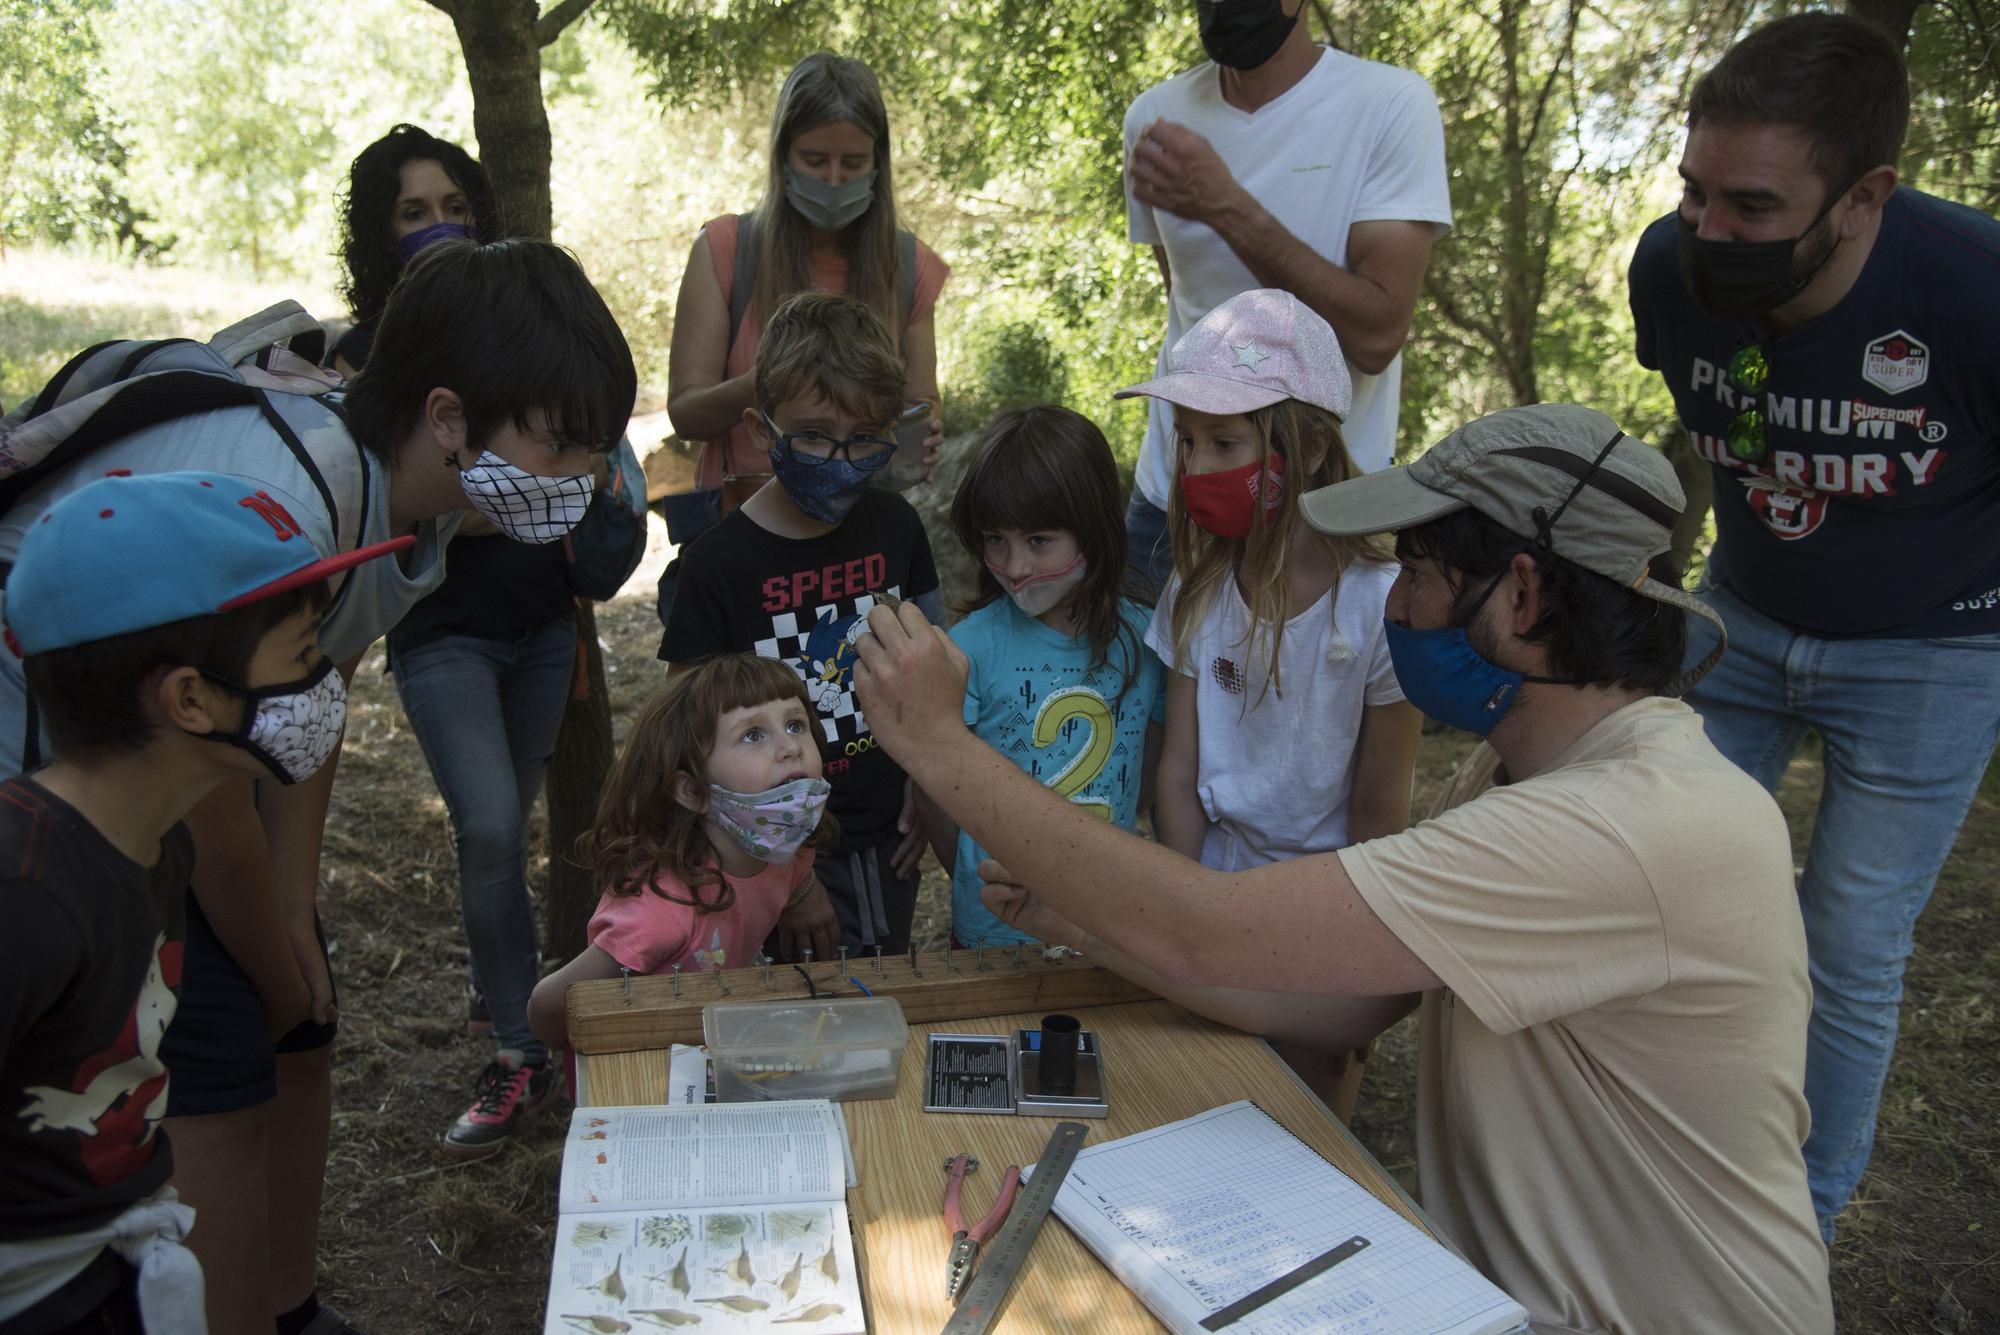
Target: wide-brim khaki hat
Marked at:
1613, 499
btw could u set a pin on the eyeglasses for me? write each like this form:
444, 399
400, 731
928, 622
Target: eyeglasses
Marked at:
1748, 377
814, 447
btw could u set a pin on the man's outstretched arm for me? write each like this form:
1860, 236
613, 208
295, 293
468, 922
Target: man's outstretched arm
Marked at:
1297, 926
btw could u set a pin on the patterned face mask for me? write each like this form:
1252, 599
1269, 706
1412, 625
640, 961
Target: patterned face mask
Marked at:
526, 506
773, 825
292, 727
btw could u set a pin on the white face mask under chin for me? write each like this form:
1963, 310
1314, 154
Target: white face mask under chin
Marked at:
527, 507
1039, 593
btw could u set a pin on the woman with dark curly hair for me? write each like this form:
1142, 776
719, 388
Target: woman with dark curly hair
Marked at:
483, 664
405, 190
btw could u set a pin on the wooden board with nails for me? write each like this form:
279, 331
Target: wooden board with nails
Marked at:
639, 1013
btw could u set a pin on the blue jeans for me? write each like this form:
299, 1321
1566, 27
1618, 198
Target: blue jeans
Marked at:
1148, 554
1908, 727
485, 712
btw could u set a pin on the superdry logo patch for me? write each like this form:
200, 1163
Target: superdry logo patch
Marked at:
1787, 512
1896, 362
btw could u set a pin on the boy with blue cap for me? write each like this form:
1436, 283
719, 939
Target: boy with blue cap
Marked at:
168, 627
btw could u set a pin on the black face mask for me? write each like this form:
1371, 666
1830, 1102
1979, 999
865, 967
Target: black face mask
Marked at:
1242, 34
1741, 280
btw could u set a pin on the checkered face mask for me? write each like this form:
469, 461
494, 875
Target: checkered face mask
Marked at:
526, 506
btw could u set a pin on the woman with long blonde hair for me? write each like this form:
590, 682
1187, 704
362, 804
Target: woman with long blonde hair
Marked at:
827, 221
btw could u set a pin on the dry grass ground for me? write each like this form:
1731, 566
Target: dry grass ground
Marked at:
414, 1245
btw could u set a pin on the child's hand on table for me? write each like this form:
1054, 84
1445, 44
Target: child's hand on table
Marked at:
811, 924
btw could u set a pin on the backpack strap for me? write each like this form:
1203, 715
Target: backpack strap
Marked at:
250, 337
744, 276
41, 445
906, 274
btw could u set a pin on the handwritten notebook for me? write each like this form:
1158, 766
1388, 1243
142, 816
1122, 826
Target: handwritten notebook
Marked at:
1194, 1215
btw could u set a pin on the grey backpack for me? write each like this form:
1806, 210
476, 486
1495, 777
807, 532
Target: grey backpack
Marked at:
269, 361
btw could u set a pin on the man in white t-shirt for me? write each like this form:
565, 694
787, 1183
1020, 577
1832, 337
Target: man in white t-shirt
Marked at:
1606, 944
1285, 164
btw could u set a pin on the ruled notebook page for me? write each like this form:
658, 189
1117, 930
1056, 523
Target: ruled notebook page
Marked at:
1196, 1214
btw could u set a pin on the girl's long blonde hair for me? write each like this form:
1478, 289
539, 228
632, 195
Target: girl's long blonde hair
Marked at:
1204, 563
821, 89
642, 830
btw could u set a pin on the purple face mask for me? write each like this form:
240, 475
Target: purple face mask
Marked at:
444, 231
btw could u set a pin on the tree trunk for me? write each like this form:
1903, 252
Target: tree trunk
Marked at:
502, 41
503, 60
576, 776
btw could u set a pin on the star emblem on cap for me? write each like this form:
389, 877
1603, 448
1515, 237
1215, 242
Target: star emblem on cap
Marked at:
1248, 355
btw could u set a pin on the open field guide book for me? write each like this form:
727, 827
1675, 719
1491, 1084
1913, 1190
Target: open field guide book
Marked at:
1198, 1216
721, 1217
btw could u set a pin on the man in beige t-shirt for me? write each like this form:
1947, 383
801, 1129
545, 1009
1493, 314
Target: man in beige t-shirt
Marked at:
1607, 948
1610, 1101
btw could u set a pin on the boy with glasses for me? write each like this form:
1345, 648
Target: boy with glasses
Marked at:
791, 575
1828, 338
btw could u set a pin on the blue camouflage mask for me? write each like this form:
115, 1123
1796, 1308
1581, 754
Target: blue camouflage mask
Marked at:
823, 489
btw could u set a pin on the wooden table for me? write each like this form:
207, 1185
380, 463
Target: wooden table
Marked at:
1163, 1064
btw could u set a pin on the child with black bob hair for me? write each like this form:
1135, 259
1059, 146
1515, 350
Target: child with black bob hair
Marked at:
498, 379
137, 684
1060, 679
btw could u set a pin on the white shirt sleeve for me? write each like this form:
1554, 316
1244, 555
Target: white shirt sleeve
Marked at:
1140, 225
1406, 173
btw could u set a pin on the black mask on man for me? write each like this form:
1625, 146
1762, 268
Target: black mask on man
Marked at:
1242, 34
1741, 280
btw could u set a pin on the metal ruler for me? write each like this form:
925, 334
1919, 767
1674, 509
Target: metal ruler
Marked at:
1001, 1258
1284, 1284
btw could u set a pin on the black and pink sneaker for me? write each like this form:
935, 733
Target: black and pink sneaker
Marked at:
509, 1090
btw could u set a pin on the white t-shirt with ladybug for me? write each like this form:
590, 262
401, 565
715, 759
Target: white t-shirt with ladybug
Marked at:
1276, 767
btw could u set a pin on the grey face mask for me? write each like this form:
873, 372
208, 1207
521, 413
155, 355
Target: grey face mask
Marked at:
831, 207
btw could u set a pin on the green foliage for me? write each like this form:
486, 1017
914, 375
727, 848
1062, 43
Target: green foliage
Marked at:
61, 158
242, 119
1003, 366
231, 128
1008, 118
1954, 59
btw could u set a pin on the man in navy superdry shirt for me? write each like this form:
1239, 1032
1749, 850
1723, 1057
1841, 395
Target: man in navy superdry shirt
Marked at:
1830, 341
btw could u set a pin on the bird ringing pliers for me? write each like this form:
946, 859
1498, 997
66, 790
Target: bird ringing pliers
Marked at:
966, 1242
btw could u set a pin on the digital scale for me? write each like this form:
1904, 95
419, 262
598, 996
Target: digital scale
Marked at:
1006, 1074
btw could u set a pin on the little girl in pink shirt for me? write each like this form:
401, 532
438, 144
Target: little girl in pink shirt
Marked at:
703, 831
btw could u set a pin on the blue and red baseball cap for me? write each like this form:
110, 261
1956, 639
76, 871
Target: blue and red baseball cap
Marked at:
128, 553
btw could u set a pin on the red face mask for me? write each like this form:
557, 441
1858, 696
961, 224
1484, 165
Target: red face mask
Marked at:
1225, 503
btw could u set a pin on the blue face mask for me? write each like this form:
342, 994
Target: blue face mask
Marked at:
444, 231
1449, 680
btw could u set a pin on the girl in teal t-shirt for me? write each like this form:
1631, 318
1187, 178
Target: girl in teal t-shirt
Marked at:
1061, 680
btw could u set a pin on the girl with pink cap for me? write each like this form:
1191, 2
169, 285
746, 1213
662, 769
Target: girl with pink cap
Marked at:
1287, 733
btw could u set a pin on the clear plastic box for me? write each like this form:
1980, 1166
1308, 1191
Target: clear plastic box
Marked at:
847, 1048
